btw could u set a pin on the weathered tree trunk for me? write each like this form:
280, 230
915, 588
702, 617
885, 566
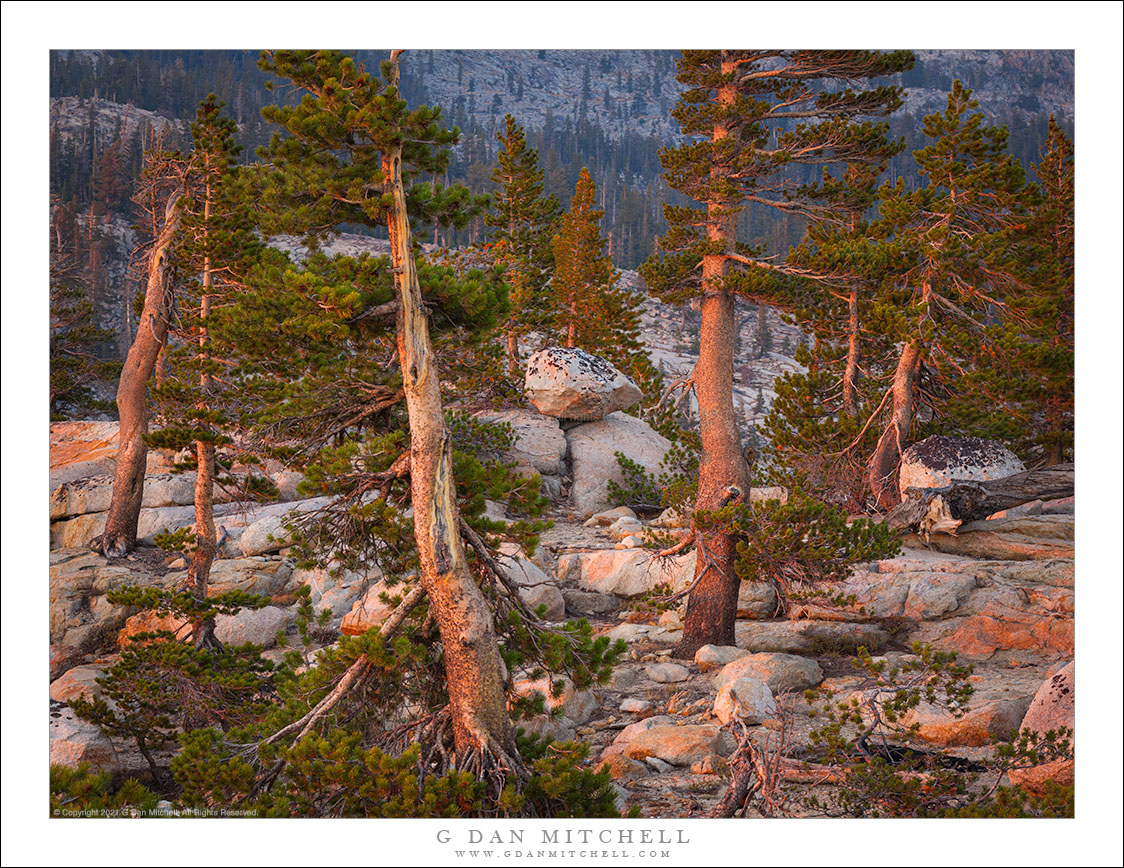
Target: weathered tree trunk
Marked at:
888, 452
851, 371
723, 472
199, 571
970, 501
120, 534
482, 730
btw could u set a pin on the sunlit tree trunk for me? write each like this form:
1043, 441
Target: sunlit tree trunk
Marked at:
513, 354
887, 454
199, 570
482, 730
723, 473
120, 534
851, 371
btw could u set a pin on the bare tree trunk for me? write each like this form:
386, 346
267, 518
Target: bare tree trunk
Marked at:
964, 501
120, 534
513, 354
851, 372
482, 730
723, 472
199, 571
887, 453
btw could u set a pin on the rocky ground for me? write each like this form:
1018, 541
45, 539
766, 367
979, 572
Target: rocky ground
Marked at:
999, 593
1003, 601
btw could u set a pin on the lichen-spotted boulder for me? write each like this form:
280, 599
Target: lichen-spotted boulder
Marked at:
570, 383
1052, 708
936, 461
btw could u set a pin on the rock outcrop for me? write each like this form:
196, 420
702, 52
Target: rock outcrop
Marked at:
570, 383
74, 741
937, 461
781, 672
625, 572
540, 445
747, 699
593, 448
1052, 708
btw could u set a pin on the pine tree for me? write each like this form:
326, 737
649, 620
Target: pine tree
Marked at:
523, 220
956, 242
331, 376
76, 364
599, 315
764, 333
120, 535
215, 252
817, 424
1048, 348
753, 118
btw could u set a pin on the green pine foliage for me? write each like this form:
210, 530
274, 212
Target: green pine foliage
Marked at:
522, 220
973, 266
786, 114
163, 685
81, 792
816, 424
77, 364
802, 547
1044, 345
862, 734
313, 344
328, 169
196, 401
371, 757
959, 241
595, 312
772, 135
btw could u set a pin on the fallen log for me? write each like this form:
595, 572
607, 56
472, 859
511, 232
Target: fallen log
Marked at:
943, 510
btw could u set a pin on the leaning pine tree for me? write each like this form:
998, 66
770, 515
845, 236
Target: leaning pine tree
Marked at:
753, 119
120, 534
353, 148
336, 362
345, 341
962, 251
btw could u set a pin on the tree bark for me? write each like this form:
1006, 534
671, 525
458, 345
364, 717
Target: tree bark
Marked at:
199, 570
887, 453
120, 536
482, 730
851, 371
723, 472
513, 354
